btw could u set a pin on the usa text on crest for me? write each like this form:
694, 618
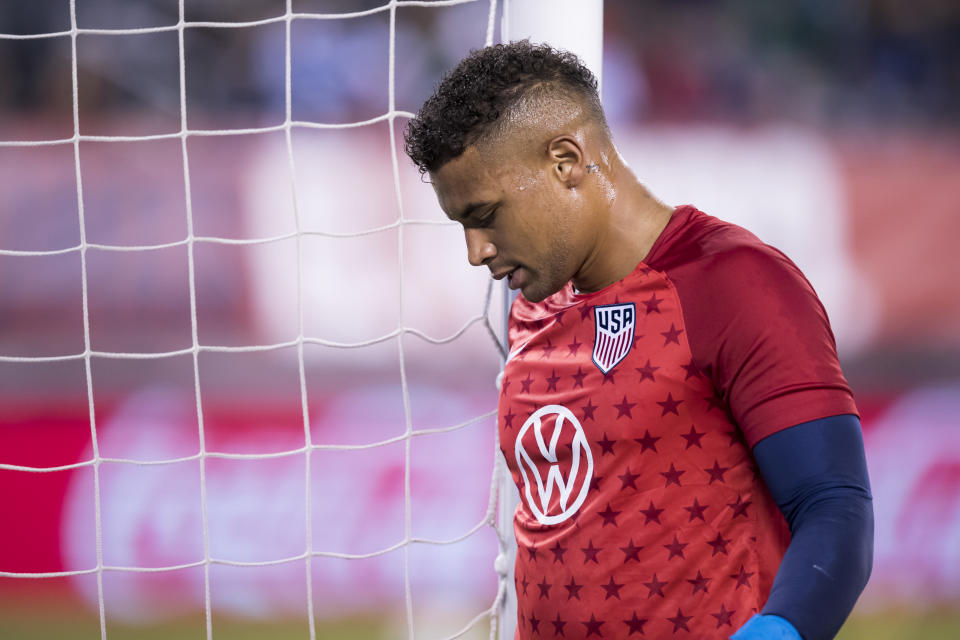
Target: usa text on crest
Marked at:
613, 338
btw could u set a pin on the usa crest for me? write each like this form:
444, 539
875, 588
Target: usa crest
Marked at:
615, 327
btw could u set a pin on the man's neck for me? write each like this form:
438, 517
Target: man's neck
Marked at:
629, 226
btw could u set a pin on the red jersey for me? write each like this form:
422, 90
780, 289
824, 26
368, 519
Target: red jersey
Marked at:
627, 416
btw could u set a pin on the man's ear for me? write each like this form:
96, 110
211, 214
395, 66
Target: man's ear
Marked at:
568, 164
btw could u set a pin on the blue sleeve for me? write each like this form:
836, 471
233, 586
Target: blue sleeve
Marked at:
817, 474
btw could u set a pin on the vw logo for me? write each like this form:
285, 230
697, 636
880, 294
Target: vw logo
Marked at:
563, 420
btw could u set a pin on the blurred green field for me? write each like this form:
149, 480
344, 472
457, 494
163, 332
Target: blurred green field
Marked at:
21, 624
934, 624
26, 626
29, 623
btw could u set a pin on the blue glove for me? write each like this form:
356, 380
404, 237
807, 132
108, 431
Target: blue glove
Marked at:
761, 627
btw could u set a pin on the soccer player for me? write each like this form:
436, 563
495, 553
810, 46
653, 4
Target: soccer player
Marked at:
687, 451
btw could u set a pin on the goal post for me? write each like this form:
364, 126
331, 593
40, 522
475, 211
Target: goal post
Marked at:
576, 26
573, 25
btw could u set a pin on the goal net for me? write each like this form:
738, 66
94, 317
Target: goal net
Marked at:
245, 371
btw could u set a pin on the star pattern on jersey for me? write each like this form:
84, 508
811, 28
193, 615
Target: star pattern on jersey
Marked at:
590, 553
652, 304
672, 475
631, 552
646, 372
588, 410
609, 516
655, 587
593, 626
574, 348
525, 383
716, 471
675, 548
544, 587
552, 381
547, 350
719, 544
508, 419
670, 405
680, 621
740, 507
696, 510
628, 479
742, 577
558, 625
692, 370
557, 550
524, 584
673, 335
723, 616
694, 437
595, 483
612, 588
700, 583
635, 624
606, 445
624, 408
573, 589
609, 376
578, 378
652, 514
647, 442
534, 624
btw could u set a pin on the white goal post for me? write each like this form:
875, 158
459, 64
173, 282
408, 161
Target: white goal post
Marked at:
576, 26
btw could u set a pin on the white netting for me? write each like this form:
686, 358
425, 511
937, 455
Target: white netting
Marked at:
190, 242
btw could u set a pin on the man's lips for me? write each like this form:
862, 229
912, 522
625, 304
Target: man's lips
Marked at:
516, 276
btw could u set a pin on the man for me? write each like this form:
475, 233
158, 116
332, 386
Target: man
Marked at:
687, 451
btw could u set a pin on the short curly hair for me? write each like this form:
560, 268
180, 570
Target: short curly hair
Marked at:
468, 101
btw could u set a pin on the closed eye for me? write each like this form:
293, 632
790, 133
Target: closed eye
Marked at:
486, 219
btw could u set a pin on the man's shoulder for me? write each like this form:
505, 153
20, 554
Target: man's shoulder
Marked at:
693, 239
719, 268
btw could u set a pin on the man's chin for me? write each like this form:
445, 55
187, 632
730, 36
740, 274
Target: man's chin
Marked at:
534, 293
533, 297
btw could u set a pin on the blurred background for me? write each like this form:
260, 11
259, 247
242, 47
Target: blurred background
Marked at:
831, 130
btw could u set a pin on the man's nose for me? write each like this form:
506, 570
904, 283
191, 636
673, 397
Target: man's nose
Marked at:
480, 249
